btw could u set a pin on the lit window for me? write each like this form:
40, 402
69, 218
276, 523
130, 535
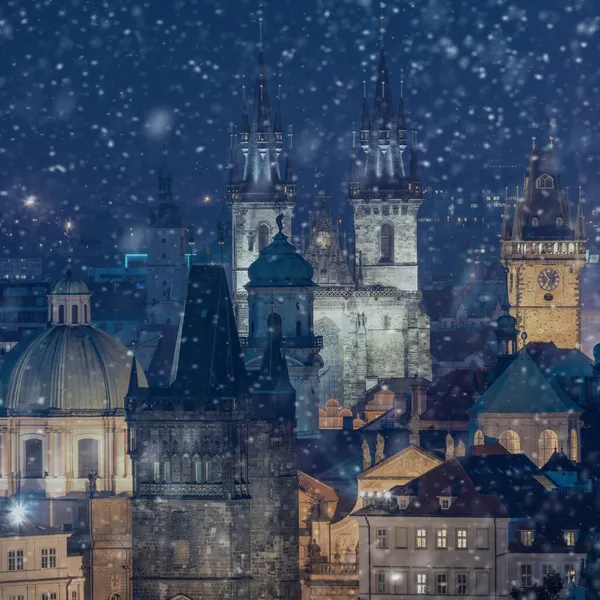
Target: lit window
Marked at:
570, 572
381, 583
421, 583
461, 539
442, 583
526, 575
382, 538
527, 537
441, 539
402, 502
421, 538
570, 538
535, 222
445, 503
462, 587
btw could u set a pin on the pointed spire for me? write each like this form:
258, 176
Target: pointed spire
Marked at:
274, 375
233, 168
245, 128
580, 221
517, 232
506, 216
290, 176
165, 181
278, 119
354, 176
134, 382
415, 168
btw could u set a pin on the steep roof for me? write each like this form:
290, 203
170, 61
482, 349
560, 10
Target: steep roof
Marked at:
559, 462
523, 388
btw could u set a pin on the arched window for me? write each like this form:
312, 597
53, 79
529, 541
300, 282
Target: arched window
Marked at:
74, 314
298, 329
478, 439
85, 314
34, 462
535, 222
167, 470
511, 441
547, 445
264, 234
61, 314
115, 597
573, 445
87, 452
274, 324
386, 241
544, 182
559, 221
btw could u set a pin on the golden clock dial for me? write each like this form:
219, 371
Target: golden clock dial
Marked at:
548, 279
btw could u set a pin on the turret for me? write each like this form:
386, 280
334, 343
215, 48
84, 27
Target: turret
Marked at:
402, 137
580, 221
365, 126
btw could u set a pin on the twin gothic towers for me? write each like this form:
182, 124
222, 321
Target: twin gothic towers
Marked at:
367, 306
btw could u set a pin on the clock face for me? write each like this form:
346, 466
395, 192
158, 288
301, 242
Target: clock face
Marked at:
548, 279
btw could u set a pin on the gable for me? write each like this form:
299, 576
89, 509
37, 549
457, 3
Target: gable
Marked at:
407, 464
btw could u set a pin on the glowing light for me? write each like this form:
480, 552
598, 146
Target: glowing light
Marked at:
68, 225
30, 200
17, 514
207, 199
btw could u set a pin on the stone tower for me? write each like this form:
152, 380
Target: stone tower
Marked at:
384, 199
258, 193
215, 497
545, 253
281, 303
167, 268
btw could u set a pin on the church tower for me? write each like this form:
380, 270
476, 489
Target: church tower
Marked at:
545, 253
215, 491
258, 192
384, 198
166, 264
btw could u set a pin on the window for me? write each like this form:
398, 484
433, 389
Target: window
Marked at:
264, 234
511, 441
441, 539
570, 538
34, 462
16, 597
421, 583
386, 236
444, 503
401, 538
462, 585
441, 583
570, 572
167, 470
251, 243
482, 539
156, 475
535, 222
15, 560
547, 445
559, 221
74, 595
298, 329
387, 322
421, 538
74, 314
50, 596
274, 324
544, 182
526, 575
85, 320
573, 445
198, 471
61, 314
381, 583
527, 536
87, 453
461, 539
478, 440
382, 538
547, 570
402, 502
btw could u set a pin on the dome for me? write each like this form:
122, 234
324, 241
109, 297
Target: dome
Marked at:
596, 353
280, 265
66, 369
68, 285
332, 403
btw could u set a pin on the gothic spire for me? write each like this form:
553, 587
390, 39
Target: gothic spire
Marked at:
580, 221
245, 128
134, 381
505, 216
517, 232
233, 167
401, 118
415, 167
165, 182
290, 175
354, 175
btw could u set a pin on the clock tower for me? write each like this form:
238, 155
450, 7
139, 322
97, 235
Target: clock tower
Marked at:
545, 253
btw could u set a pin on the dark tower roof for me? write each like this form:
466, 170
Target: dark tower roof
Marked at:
580, 221
166, 214
544, 213
290, 175
208, 364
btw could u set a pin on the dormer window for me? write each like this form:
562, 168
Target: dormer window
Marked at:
570, 538
544, 182
559, 222
535, 222
403, 502
527, 537
445, 502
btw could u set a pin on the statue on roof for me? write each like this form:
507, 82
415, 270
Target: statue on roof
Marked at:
366, 452
279, 221
379, 449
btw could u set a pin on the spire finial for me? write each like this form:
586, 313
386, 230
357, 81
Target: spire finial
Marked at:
382, 29
290, 135
353, 134
260, 29
402, 88
244, 89
68, 229
415, 141
580, 192
279, 90
364, 88
533, 142
551, 142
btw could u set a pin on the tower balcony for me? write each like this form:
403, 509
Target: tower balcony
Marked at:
315, 341
544, 249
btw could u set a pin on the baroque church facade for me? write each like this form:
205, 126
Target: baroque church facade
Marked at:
368, 321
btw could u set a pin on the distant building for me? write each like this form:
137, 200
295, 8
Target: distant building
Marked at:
21, 269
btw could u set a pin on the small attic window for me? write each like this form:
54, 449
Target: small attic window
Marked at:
527, 536
544, 182
535, 222
445, 502
403, 502
559, 221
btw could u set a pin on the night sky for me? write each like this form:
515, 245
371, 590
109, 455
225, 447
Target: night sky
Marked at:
91, 93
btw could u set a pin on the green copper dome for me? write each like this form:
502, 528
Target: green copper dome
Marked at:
68, 285
280, 265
